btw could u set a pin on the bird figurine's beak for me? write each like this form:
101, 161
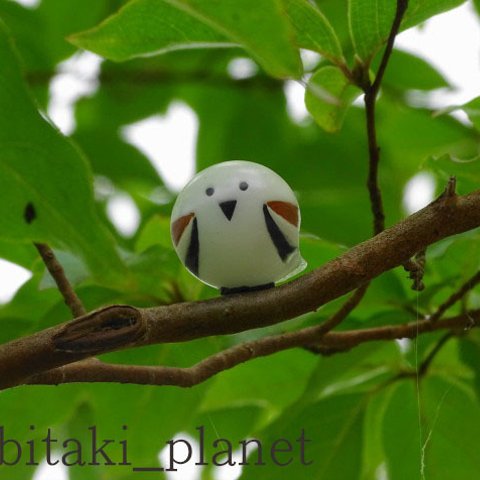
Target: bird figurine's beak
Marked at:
228, 208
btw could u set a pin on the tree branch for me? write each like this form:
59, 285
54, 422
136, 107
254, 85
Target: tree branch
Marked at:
425, 365
455, 297
120, 327
333, 342
371, 91
58, 274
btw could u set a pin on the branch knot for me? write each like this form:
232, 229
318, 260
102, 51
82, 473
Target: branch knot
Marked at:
111, 328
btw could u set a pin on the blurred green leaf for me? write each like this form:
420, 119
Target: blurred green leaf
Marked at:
197, 23
45, 178
21, 254
472, 109
115, 159
26, 26
408, 72
328, 96
317, 251
156, 232
467, 172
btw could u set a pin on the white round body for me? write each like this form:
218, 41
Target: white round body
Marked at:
236, 224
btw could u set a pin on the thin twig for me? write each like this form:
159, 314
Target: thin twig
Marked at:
455, 297
371, 91
58, 274
331, 342
338, 316
374, 157
424, 366
402, 6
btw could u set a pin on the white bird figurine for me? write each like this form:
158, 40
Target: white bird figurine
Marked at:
235, 226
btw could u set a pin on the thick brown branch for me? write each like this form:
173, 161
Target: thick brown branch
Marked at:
55, 347
94, 371
58, 274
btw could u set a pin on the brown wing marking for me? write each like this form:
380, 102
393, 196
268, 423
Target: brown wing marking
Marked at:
287, 210
179, 226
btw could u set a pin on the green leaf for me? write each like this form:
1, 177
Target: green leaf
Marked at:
46, 180
371, 21
21, 254
335, 427
317, 251
117, 160
373, 453
444, 442
401, 433
450, 452
156, 232
408, 72
60, 19
476, 4
421, 10
148, 26
337, 372
279, 379
20, 410
470, 356
313, 30
467, 172
328, 96
472, 109
157, 26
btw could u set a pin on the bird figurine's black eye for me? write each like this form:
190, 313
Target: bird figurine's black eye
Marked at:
243, 186
209, 191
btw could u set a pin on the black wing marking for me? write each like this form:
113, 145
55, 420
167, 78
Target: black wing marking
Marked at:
284, 249
191, 260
